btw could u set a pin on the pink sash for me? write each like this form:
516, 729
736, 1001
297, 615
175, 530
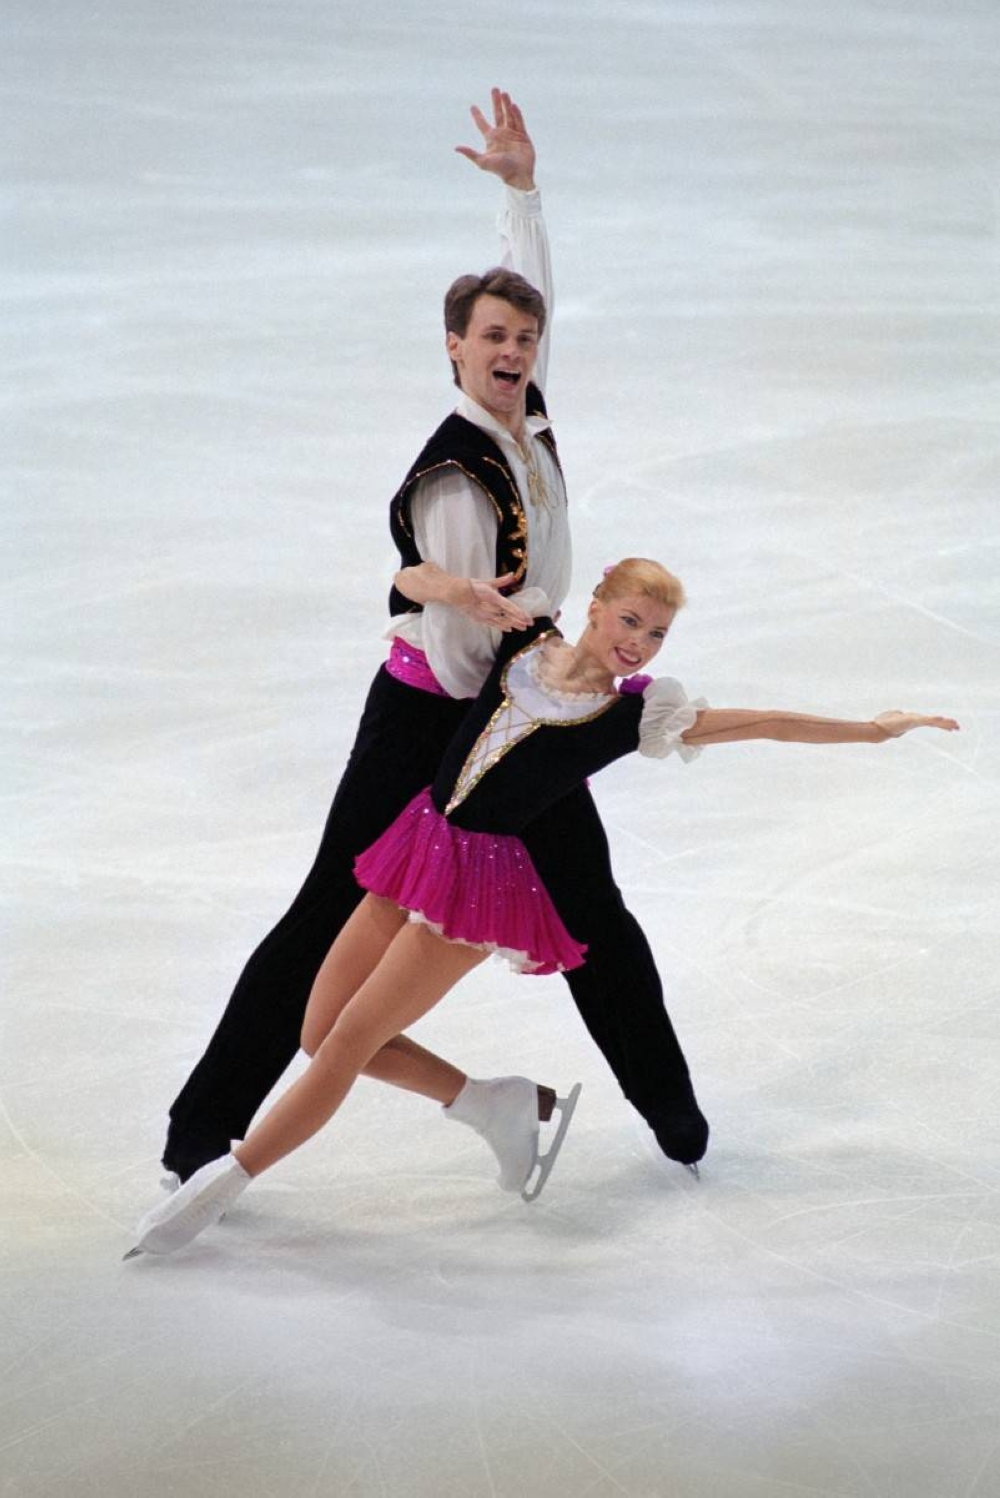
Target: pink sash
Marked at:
408, 664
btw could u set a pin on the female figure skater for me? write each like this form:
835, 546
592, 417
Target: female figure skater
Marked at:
451, 881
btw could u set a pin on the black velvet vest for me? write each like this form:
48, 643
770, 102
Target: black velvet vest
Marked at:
458, 443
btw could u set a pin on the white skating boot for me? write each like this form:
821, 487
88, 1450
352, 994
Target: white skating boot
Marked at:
504, 1111
201, 1201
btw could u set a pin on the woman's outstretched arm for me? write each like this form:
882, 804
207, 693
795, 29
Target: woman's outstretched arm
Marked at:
725, 725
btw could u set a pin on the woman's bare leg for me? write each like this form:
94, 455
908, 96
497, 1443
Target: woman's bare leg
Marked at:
403, 1063
354, 956
416, 970
360, 946
400, 970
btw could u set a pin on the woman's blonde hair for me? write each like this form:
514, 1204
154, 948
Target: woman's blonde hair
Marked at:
641, 578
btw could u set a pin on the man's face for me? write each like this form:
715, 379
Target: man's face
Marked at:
496, 358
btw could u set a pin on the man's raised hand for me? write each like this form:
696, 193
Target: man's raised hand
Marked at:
507, 148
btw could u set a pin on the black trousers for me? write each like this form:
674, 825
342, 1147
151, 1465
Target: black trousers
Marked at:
397, 751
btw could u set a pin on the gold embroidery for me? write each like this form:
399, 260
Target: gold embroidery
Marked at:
434, 468
484, 754
539, 493
517, 532
546, 436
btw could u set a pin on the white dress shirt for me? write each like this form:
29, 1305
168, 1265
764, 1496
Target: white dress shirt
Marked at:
454, 524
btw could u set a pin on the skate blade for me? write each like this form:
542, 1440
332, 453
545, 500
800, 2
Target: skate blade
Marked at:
545, 1162
133, 1253
693, 1168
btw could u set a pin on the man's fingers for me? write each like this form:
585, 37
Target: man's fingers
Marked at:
501, 615
517, 616
489, 606
482, 123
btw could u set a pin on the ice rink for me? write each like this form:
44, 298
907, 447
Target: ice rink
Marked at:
775, 367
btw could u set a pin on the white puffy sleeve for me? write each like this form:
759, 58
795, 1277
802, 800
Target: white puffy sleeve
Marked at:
526, 250
666, 714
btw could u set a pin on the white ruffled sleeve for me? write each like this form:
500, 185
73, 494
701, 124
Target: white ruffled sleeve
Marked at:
666, 714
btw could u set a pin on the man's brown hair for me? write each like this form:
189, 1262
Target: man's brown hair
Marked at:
463, 294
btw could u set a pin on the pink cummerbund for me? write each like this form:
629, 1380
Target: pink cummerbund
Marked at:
407, 663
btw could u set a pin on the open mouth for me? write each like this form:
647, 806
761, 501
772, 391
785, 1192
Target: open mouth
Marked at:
509, 377
628, 661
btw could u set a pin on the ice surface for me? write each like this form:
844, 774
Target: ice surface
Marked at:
775, 366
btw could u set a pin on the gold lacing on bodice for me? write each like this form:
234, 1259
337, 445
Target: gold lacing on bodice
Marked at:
507, 727
513, 721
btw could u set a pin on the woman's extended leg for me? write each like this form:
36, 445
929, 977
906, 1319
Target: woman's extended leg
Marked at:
400, 971
416, 970
354, 956
401, 1062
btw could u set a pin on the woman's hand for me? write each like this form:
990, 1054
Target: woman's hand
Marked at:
895, 723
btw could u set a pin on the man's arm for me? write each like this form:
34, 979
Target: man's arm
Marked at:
455, 530
475, 597
509, 153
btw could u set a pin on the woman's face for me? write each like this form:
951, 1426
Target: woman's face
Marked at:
624, 634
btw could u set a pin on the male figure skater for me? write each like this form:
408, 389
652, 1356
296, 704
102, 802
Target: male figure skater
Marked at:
481, 512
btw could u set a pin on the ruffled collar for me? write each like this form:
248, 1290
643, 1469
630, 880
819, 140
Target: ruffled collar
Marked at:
557, 694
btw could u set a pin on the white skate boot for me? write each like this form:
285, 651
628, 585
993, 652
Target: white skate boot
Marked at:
201, 1201
504, 1112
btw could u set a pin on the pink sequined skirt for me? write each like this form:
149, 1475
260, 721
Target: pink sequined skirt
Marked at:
476, 887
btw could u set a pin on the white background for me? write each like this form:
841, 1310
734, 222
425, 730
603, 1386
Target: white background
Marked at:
775, 368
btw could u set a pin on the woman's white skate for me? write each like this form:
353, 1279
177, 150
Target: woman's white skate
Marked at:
544, 1163
504, 1112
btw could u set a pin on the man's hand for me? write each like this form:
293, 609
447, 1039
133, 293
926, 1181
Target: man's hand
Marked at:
478, 598
486, 605
507, 148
